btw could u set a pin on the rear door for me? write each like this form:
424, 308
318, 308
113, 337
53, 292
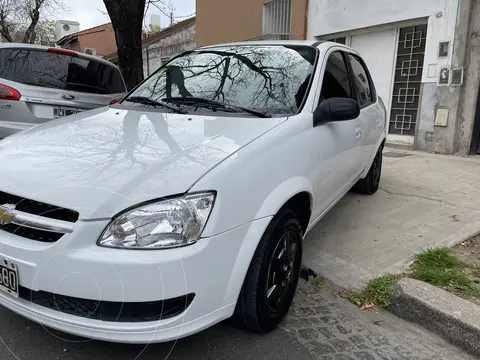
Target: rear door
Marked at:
370, 122
53, 83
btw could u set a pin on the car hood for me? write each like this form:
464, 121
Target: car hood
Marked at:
106, 160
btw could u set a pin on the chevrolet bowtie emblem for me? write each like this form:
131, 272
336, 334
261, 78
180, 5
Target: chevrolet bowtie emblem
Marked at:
6, 215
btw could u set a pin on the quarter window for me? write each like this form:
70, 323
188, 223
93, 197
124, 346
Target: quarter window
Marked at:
336, 82
362, 81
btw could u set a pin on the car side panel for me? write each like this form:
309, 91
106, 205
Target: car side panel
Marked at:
278, 165
368, 124
371, 122
378, 136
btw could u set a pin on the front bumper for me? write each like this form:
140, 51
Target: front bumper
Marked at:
213, 270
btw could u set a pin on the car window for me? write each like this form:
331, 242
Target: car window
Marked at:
45, 69
336, 82
362, 81
273, 79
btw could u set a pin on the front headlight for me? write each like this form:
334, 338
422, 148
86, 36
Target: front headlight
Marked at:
165, 224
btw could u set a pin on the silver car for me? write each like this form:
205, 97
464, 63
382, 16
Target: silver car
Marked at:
39, 83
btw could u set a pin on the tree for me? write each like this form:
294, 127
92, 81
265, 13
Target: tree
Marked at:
45, 33
20, 20
154, 28
127, 21
150, 30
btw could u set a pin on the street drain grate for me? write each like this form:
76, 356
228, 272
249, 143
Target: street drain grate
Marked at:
395, 154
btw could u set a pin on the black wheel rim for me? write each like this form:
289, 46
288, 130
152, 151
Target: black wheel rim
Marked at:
377, 168
283, 272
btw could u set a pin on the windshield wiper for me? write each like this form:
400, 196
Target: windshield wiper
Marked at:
87, 87
201, 102
147, 101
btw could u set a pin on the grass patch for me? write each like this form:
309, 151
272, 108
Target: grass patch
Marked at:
318, 283
378, 291
440, 267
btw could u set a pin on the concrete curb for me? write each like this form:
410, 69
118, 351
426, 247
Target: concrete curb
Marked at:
398, 146
455, 319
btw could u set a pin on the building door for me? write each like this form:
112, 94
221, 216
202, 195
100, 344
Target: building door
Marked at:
378, 51
408, 78
475, 148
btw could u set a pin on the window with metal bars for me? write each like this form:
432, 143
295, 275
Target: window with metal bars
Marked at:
277, 19
408, 78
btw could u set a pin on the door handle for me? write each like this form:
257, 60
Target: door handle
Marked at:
358, 133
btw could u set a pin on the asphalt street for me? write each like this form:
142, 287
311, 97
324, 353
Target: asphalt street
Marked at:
321, 325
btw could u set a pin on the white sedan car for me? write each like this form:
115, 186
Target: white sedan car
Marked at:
187, 202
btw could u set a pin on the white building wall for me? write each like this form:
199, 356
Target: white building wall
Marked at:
353, 17
339, 16
166, 48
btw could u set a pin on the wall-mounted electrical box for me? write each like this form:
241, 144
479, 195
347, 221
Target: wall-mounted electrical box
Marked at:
441, 117
443, 49
456, 77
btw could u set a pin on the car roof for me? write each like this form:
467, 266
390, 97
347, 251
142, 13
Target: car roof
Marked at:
45, 48
315, 43
267, 43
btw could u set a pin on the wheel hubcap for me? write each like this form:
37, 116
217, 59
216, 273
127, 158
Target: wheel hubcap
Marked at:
282, 271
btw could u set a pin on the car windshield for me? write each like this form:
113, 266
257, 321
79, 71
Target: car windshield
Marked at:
58, 71
271, 79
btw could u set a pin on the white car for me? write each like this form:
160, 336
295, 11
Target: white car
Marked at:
186, 203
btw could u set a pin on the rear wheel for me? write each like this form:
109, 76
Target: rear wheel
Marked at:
369, 185
271, 281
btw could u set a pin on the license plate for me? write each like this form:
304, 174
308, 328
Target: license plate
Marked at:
8, 277
60, 112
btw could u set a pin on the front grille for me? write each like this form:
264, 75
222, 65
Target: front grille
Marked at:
31, 234
109, 310
36, 208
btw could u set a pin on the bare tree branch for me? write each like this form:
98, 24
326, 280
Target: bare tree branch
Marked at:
6, 8
19, 19
33, 12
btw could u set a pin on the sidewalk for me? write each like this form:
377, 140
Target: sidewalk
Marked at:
424, 200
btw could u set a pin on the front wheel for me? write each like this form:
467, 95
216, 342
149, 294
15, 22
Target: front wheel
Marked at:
369, 185
271, 281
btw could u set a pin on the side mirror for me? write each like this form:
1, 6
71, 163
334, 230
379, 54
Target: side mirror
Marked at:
335, 109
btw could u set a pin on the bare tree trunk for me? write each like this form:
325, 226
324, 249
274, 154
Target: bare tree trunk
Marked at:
5, 34
16, 14
4, 29
29, 37
127, 18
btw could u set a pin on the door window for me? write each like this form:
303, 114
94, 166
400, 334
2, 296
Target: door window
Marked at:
361, 78
336, 82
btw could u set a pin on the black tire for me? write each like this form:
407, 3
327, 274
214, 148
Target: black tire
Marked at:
369, 185
254, 311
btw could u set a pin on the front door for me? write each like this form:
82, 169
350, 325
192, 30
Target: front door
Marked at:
338, 155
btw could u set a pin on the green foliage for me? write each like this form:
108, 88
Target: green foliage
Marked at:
442, 268
378, 291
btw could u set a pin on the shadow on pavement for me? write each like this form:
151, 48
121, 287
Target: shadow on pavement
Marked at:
25, 340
